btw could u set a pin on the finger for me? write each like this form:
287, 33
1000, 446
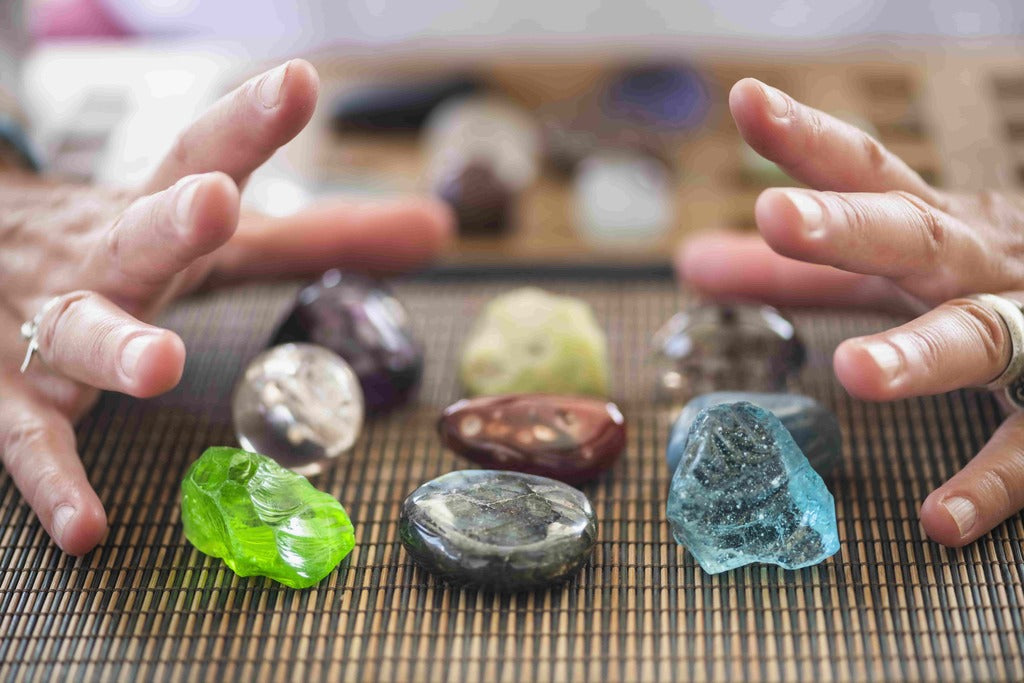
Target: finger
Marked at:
87, 338
37, 445
894, 234
985, 492
816, 148
243, 129
724, 265
373, 236
959, 344
162, 234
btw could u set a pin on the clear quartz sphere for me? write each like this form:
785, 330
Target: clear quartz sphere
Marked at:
300, 404
726, 347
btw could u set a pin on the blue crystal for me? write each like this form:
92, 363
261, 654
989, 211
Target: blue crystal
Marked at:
744, 493
814, 428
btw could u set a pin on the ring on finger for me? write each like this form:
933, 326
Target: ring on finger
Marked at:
1011, 379
30, 332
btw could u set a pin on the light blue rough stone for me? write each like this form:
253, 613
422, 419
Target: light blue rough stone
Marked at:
744, 493
814, 428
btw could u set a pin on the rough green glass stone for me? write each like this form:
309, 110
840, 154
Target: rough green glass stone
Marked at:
262, 519
531, 341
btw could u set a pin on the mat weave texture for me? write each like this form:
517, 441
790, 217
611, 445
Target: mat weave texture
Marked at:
147, 606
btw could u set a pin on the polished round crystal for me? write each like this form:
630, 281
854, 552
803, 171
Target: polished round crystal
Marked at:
300, 404
726, 347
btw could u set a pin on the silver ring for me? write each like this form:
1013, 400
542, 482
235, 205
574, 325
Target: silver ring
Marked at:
30, 332
1012, 377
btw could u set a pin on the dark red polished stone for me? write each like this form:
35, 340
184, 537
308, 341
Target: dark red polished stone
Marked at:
570, 438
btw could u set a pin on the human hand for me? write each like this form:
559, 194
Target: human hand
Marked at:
116, 258
873, 234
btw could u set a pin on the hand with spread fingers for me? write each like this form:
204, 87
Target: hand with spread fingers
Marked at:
873, 234
86, 267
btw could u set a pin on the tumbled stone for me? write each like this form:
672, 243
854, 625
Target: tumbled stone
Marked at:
622, 199
744, 493
485, 128
482, 153
569, 438
483, 203
531, 341
360, 319
397, 106
300, 404
715, 347
261, 519
501, 530
814, 428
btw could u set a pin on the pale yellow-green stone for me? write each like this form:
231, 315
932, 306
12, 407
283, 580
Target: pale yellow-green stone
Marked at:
529, 340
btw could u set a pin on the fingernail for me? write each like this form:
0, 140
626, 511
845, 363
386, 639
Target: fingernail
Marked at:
61, 517
132, 352
887, 358
963, 513
778, 104
809, 208
270, 87
183, 203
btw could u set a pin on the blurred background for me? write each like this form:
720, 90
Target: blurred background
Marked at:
593, 131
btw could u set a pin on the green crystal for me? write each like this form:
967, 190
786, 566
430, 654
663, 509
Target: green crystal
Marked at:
262, 519
531, 341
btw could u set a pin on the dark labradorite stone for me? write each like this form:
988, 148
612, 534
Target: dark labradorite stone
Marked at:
814, 428
569, 438
481, 201
726, 346
361, 320
744, 493
673, 96
501, 530
403, 106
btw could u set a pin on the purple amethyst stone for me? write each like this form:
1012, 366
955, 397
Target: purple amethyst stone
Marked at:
361, 320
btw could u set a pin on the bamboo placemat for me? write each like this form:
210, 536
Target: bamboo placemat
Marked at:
146, 606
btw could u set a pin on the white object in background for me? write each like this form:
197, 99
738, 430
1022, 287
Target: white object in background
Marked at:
164, 88
486, 129
622, 199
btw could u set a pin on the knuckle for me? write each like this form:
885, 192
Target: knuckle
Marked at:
24, 437
985, 326
999, 486
30, 436
929, 221
931, 349
875, 154
63, 318
815, 127
181, 150
854, 213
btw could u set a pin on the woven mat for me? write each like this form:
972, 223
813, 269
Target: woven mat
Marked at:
145, 605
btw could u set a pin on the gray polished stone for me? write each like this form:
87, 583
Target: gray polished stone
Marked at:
495, 529
814, 428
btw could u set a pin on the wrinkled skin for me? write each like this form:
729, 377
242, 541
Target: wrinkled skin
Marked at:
873, 234
114, 259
